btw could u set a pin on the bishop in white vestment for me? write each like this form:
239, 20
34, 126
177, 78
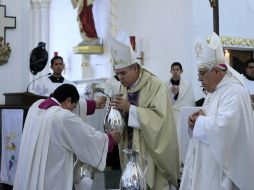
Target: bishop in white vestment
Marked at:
220, 154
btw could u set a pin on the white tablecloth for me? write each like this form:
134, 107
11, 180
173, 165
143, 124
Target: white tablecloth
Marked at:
183, 131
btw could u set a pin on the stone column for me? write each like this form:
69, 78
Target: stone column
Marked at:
39, 29
86, 67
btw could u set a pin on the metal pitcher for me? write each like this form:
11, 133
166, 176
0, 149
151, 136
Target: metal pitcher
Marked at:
83, 176
133, 177
113, 120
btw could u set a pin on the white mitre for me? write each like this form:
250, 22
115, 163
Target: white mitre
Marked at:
121, 51
210, 55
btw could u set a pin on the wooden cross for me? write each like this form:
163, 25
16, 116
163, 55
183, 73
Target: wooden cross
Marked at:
215, 5
5, 21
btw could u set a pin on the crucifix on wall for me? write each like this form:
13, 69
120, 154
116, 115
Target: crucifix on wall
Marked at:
5, 23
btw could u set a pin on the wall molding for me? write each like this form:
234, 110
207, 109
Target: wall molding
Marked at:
232, 42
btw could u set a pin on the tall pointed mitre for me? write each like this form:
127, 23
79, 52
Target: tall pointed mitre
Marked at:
210, 55
121, 51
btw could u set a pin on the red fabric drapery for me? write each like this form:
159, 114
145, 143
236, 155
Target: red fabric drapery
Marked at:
87, 20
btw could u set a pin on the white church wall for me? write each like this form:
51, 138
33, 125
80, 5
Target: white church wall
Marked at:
15, 74
64, 35
234, 21
163, 27
165, 30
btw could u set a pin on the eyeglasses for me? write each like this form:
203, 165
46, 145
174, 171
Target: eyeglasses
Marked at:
202, 73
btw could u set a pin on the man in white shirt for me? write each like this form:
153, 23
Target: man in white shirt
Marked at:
181, 95
52, 135
180, 91
249, 78
46, 86
220, 154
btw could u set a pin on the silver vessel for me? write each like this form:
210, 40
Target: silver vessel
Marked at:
133, 177
113, 120
83, 176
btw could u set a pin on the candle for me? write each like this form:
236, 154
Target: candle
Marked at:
227, 55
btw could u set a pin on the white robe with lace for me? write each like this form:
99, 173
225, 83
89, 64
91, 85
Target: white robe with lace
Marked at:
221, 151
49, 140
185, 99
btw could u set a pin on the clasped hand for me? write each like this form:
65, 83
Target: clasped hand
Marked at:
120, 103
193, 117
175, 89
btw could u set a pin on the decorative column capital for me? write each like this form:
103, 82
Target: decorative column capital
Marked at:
35, 4
45, 3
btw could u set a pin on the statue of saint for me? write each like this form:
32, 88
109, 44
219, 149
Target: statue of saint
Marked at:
86, 21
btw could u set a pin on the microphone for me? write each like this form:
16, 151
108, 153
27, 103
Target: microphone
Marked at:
35, 80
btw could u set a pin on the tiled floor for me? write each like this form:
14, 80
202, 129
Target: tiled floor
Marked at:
107, 180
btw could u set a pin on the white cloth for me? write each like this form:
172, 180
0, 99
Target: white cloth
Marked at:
81, 109
249, 85
49, 140
133, 117
185, 99
45, 86
12, 123
225, 161
183, 132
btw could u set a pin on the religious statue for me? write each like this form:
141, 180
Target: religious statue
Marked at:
86, 22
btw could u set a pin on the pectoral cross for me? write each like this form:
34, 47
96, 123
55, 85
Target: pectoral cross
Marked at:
5, 21
215, 5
